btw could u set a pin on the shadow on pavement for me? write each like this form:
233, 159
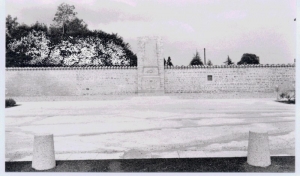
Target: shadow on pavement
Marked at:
238, 164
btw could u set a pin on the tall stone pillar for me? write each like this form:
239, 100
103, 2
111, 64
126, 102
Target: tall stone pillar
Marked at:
150, 66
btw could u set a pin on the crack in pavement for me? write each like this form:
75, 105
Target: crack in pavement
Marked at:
168, 128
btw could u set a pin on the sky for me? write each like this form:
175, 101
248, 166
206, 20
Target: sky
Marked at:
224, 27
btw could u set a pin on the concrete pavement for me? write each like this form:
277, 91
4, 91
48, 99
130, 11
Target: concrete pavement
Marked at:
149, 127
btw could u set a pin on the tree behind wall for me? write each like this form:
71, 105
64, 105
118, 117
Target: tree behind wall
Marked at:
64, 15
65, 37
196, 60
11, 26
76, 26
209, 63
249, 59
31, 49
228, 61
169, 62
24, 43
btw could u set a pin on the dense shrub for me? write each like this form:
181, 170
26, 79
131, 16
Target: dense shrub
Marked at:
89, 49
287, 93
289, 96
65, 43
10, 102
34, 45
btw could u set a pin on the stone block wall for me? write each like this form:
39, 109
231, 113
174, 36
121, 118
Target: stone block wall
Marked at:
236, 79
70, 81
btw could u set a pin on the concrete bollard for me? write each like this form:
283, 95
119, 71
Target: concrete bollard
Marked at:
43, 152
258, 149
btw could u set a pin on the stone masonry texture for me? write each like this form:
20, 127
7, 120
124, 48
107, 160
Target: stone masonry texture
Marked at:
259, 80
229, 79
70, 81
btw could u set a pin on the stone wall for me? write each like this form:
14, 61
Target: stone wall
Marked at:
236, 81
70, 81
259, 79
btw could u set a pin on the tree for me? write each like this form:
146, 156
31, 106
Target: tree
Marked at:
76, 26
89, 50
11, 25
30, 50
228, 61
249, 59
165, 62
39, 27
209, 63
35, 45
169, 62
65, 14
133, 59
19, 31
196, 59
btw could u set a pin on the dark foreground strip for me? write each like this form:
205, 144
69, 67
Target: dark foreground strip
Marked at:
239, 164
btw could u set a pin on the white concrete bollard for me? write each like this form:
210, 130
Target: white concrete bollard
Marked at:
43, 152
258, 149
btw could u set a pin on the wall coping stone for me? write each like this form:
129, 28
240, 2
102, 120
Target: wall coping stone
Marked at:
70, 68
229, 66
134, 67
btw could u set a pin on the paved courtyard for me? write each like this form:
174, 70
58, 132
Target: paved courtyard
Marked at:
149, 127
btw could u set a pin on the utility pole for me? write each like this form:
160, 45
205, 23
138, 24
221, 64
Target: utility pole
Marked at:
204, 57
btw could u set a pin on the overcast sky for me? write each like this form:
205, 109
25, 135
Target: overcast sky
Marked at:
224, 27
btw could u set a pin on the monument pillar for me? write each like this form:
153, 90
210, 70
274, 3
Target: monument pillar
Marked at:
150, 66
